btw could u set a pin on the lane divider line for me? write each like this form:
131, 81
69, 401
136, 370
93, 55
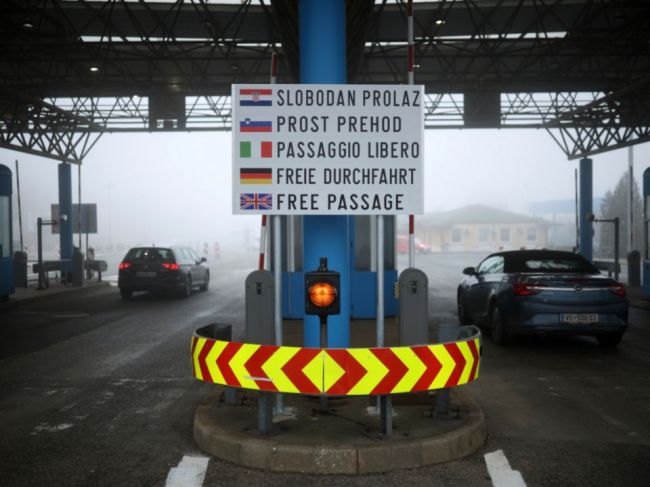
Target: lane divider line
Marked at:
190, 472
501, 473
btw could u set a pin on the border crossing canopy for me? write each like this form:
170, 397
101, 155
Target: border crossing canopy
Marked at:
327, 149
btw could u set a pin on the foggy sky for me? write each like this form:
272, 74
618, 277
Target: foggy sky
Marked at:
176, 187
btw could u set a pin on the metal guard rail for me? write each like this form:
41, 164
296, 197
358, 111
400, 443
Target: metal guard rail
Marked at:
335, 371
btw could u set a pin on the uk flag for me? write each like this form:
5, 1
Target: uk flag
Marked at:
256, 201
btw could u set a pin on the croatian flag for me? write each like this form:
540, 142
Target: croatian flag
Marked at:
248, 125
255, 97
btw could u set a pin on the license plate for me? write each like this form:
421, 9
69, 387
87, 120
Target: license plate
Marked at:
579, 318
145, 274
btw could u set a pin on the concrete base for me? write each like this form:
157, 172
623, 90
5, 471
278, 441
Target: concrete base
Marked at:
343, 439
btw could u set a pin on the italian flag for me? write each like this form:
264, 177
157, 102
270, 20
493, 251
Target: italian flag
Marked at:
248, 150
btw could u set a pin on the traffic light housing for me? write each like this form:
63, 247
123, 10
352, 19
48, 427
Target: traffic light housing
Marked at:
322, 288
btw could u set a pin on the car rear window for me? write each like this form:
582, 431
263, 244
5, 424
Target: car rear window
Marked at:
551, 262
154, 254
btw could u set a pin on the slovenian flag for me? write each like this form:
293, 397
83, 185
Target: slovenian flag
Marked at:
255, 175
253, 97
249, 149
248, 125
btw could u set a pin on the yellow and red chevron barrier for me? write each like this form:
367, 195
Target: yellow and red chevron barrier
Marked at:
336, 371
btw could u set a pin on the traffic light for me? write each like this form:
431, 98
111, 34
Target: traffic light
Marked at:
322, 291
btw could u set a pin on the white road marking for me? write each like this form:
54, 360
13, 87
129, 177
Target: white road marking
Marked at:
50, 428
500, 472
190, 472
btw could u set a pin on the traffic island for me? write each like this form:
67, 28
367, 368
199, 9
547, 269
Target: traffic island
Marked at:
344, 438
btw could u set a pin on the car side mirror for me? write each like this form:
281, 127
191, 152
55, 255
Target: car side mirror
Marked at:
469, 271
203, 259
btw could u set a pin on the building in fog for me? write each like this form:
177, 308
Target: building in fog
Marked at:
481, 228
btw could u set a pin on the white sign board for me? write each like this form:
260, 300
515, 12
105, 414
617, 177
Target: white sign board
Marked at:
327, 149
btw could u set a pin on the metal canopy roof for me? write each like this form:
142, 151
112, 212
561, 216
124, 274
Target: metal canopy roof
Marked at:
581, 67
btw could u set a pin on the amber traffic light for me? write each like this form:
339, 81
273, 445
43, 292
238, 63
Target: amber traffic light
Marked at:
322, 294
322, 291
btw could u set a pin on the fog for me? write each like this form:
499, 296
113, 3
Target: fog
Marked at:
176, 187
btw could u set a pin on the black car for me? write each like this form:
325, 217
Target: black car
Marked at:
539, 292
173, 268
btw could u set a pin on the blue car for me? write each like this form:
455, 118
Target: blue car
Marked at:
540, 292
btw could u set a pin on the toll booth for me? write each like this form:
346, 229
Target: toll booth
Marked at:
646, 233
6, 235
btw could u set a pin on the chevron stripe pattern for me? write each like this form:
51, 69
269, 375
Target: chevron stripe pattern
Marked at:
336, 372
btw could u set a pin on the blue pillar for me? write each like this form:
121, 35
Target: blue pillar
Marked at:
6, 234
323, 60
65, 208
586, 207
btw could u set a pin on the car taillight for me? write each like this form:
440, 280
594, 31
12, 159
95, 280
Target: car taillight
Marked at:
617, 289
170, 266
124, 265
526, 288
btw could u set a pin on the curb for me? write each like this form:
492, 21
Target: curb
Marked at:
639, 303
275, 455
45, 295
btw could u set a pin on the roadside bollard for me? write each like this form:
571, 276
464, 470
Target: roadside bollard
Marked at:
634, 268
260, 328
20, 269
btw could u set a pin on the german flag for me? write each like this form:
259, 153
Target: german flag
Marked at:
256, 176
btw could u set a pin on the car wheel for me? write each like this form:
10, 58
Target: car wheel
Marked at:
186, 290
463, 317
206, 283
126, 293
609, 340
497, 326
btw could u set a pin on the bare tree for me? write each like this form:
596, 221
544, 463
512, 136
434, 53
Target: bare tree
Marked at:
616, 204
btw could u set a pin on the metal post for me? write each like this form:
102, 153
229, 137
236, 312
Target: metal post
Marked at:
645, 191
39, 243
323, 60
265, 413
323, 344
65, 225
411, 241
586, 208
384, 402
616, 247
630, 201
79, 205
380, 281
373, 244
291, 239
277, 305
446, 333
20, 209
262, 243
411, 63
386, 415
575, 177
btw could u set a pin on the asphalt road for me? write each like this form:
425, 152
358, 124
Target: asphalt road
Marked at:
98, 391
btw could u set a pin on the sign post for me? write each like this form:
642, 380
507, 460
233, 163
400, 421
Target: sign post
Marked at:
327, 149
